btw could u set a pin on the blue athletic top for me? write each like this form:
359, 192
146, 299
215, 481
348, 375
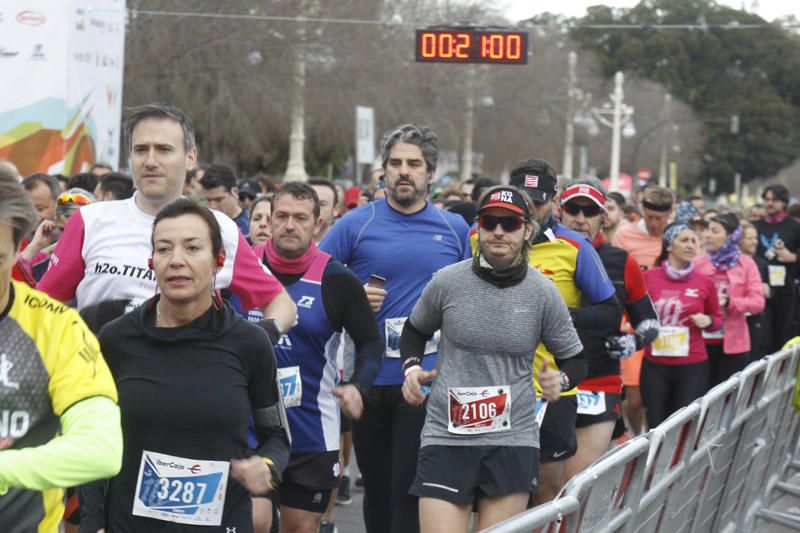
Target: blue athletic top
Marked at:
308, 352
406, 250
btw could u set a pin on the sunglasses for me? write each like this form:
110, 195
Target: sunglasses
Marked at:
509, 224
588, 210
66, 198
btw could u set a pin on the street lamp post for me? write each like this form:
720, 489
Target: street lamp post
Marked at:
621, 123
569, 131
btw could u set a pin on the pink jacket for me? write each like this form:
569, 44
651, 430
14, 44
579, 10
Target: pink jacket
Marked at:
745, 296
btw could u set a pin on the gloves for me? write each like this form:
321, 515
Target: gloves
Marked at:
621, 346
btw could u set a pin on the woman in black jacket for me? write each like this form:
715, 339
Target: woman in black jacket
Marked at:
190, 373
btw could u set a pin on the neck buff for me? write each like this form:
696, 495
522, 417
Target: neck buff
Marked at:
775, 219
499, 278
728, 255
677, 274
298, 265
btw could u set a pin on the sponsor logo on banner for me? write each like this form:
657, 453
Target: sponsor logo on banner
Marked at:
31, 18
5, 52
37, 54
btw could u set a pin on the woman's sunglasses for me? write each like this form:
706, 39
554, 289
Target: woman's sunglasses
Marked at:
509, 224
588, 210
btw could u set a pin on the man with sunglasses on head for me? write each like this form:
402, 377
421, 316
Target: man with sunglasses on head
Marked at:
600, 394
394, 245
566, 257
479, 442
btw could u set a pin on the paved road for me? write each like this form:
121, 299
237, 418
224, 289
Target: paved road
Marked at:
348, 518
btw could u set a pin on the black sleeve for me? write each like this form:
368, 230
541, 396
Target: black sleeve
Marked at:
269, 416
412, 345
606, 314
346, 306
576, 368
92, 506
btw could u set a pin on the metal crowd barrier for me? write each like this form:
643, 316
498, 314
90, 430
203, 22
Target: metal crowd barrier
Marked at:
715, 465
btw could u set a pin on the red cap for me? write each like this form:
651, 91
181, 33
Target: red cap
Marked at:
585, 191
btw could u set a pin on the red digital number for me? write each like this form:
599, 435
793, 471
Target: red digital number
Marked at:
492, 46
462, 45
513, 47
445, 45
428, 45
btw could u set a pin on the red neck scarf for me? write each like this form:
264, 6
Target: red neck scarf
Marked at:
776, 219
598, 239
298, 265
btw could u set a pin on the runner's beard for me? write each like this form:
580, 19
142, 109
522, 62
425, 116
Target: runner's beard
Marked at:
406, 199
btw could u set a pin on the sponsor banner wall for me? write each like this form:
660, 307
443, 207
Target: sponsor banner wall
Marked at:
61, 63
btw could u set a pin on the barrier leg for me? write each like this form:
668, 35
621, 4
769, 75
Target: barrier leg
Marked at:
785, 519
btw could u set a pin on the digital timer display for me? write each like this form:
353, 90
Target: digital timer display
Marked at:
470, 45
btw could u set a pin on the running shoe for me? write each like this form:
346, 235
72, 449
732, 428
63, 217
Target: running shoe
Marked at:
343, 497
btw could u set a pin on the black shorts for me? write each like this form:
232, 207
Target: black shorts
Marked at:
462, 474
557, 441
308, 481
601, 407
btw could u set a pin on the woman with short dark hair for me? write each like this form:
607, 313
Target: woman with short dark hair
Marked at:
190, 371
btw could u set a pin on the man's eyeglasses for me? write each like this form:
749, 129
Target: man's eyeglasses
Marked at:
509, 224
77, 198
588, 210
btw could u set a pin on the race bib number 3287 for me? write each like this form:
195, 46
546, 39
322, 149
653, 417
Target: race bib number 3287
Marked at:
186, 491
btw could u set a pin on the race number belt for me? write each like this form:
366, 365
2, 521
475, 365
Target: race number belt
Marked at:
186, 491
591, 403
393, 328
291, 385
541, 409
476, 410
672, 341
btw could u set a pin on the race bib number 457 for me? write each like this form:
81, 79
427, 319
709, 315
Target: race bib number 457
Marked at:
479, 410
186, 491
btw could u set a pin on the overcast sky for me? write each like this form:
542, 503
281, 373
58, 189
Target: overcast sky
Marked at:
522, 9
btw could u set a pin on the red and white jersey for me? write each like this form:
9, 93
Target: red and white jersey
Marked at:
102, 255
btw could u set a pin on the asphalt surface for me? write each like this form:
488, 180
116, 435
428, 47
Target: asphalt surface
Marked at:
348, 518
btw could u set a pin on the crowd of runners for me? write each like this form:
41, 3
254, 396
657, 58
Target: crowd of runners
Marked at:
181, 350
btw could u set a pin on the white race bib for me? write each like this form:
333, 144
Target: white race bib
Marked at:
394, 328
185, 491
291, 386
591, 403
672, 341
777, 275
476, 410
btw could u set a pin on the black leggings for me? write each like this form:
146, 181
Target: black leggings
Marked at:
722, 365
386, 441
667, 388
